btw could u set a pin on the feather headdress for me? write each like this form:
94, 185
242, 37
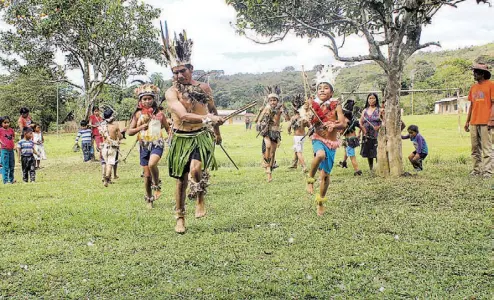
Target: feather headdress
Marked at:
273, 92
326, 75
177, 51
297, 101
146, 89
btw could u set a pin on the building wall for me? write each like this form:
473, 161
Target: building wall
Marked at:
451, 107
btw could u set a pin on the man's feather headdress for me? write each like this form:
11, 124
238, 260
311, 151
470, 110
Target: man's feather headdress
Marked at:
177, 51
326, 75
273, 92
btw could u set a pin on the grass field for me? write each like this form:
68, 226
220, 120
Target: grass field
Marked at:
427, 236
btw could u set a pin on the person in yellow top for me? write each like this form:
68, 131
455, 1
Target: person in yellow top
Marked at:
480, 121
147, 122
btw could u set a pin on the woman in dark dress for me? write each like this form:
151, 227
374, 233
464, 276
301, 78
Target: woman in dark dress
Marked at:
370, 122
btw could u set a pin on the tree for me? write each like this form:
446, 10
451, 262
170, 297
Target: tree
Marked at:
392, 29
36, 91
106, 40
289, 69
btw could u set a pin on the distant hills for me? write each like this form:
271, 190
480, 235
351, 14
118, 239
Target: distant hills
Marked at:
424, 70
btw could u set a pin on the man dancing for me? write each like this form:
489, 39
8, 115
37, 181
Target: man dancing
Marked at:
194, 114
328, 119
270, 127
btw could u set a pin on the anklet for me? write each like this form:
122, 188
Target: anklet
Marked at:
321, 200
310, 180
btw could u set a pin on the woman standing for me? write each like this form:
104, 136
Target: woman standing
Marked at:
370, 122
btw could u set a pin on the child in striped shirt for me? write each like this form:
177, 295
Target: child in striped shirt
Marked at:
86, 140
26, 151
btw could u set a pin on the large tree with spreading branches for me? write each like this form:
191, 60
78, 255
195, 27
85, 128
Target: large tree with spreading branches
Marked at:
392, 29
106, 40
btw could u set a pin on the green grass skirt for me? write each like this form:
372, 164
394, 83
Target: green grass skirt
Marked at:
183, 145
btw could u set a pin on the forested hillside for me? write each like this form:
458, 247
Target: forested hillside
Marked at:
429, 70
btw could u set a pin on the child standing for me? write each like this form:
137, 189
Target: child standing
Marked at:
39, 141
421, 150
25, 149
7, 136
86, 140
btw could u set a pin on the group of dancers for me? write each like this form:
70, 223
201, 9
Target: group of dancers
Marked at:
196, 125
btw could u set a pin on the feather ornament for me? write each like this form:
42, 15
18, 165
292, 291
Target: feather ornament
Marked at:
177, 52
326, 75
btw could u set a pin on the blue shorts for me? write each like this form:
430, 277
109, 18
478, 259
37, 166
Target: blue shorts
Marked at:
350, 152
327, 164
146, 152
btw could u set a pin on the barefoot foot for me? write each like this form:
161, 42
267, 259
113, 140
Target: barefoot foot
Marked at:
200, 209
180, 226
156, 191
320, 210
149, 202
310, 188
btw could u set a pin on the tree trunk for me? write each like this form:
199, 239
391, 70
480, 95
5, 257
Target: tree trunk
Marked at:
389, 152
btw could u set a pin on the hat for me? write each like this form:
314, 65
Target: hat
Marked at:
273, 92
482, 67
326, 75
147, 89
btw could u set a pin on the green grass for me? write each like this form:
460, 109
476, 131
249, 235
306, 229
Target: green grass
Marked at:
427, 236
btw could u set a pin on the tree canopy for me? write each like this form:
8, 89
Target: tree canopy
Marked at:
106, 40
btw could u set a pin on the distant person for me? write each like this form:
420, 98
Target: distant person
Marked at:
94, 122
26, 152
86, 141
421, 150
480, 121
370, 122
270, 130
39, 145
111, 144
7, 136
298, 125
351, 140
24, 120
248, 123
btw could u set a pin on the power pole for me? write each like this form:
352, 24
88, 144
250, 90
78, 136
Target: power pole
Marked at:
412, 77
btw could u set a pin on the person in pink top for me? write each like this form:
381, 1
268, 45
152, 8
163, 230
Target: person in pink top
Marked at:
94, 122
7, 145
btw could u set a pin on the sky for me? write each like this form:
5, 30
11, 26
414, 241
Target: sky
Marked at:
218, 47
